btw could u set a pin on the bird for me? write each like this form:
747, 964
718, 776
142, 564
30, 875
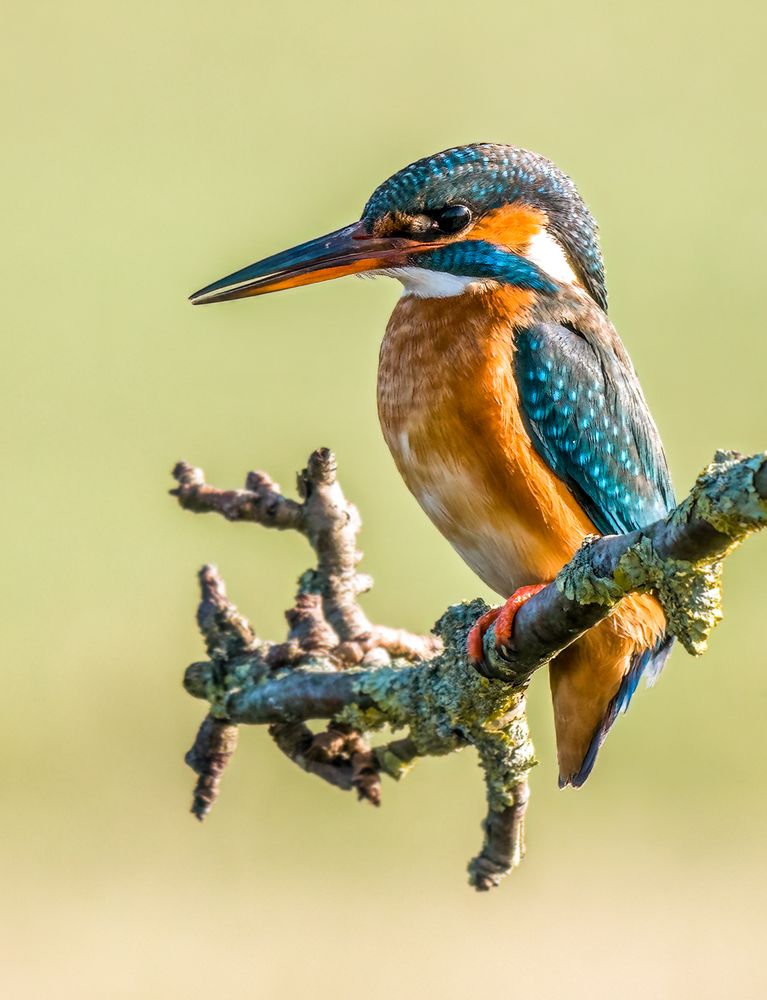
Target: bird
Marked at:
507, 399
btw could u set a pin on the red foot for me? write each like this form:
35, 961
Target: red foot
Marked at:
502, 618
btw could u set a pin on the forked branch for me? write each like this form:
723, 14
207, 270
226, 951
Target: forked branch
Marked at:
336, 665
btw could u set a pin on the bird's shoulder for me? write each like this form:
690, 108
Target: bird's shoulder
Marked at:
587, 415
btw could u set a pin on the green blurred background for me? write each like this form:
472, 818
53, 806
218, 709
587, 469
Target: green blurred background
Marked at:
152, 147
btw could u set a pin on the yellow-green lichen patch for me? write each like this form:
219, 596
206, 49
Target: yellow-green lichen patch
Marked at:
580, 582
391, 764
367, 720
725, 495
445, 704
505, 760
690, 593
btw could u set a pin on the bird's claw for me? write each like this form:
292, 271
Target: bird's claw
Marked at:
503, 620
475, 641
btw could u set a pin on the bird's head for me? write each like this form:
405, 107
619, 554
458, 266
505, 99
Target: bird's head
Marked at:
458, 220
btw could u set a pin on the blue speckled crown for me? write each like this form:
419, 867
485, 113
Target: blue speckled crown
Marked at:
486, 176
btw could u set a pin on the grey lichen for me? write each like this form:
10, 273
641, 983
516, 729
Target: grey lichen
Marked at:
580, 581
725, 495
690, 593
359, 677
445, 703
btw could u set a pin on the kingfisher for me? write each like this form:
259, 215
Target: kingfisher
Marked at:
507, 399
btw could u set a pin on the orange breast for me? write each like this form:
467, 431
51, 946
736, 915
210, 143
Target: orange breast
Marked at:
449, 409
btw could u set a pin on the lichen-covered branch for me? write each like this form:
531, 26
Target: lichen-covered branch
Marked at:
678, 558
335, 665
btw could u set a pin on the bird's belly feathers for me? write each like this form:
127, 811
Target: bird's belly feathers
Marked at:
448, 405
495, 523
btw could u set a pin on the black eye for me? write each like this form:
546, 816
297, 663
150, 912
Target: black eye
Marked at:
453, 219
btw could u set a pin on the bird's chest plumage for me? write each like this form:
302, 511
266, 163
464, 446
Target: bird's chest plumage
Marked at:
449, 409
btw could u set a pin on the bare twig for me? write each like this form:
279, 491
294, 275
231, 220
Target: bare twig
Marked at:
504, 845
331, 525
336, 665
326, 620
215, 743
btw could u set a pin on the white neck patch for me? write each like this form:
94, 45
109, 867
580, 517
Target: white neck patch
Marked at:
544, 251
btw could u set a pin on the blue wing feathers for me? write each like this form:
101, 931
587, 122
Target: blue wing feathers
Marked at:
588, 420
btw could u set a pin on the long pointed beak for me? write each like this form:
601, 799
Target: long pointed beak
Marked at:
351, 250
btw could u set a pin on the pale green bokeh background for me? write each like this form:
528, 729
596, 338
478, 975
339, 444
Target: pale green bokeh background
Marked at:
150, 148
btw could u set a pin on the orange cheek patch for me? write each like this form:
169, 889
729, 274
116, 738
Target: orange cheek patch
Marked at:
511, 225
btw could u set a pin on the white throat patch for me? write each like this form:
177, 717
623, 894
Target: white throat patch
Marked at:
425, 284
543, 250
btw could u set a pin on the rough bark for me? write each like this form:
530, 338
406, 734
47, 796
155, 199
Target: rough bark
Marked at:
336, 665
